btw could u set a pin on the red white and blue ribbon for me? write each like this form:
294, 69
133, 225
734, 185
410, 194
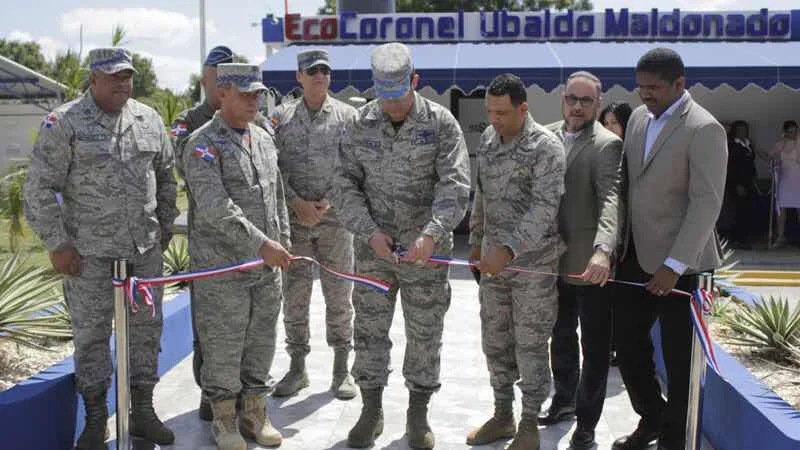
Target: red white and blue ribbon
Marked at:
134, 284
700, 301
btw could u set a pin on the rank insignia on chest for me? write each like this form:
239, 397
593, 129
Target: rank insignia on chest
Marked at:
179, 129
424, 137
205, 152
50, 120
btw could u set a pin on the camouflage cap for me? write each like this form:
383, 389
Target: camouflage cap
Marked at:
110, 60
311, 58
392, 70
244, 77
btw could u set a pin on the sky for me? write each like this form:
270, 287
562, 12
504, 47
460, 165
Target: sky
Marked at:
168, 30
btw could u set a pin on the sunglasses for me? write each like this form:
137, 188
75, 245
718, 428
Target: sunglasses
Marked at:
311, 71
585, 102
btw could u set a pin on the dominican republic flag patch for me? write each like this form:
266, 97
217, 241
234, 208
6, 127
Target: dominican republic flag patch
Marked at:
49, 120
205, 152
179, 129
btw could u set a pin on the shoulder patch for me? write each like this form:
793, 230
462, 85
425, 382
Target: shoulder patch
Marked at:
179, 129
50, 120
205, 152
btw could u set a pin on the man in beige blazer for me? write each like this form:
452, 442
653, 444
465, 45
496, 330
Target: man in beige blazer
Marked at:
676, 155
588, 223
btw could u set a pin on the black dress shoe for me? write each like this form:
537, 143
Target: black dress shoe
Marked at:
582, 440
640, 439
556, 414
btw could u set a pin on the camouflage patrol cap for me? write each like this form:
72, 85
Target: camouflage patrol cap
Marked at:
218, 55
244, 77
110, 60
392, 70
311, 58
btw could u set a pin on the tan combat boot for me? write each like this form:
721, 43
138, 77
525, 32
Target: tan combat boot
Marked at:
420, 435
527, 437
223, 426
254, 422
370, 422
500, 426
342, 386
144, 422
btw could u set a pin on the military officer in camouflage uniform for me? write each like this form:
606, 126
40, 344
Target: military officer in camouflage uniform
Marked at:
403, 181
520, 178
308, 132
183, 126
110, 159
194, 118
232, 172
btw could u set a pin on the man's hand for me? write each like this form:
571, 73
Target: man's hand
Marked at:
495, 259
381, 244
274, 255
66, 260
475, 256
306, 212
421, 250
166, 237
598, 268
663, 282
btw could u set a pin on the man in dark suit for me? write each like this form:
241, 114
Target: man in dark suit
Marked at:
676, 155
588, 223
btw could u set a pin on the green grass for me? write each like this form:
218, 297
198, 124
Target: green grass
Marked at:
30, 246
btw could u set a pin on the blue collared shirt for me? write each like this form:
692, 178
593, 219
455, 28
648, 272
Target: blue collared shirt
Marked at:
654, 127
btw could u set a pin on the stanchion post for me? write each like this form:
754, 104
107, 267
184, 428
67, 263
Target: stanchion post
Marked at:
121, 340
694, 413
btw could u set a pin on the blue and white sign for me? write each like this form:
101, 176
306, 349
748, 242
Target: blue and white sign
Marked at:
531, 26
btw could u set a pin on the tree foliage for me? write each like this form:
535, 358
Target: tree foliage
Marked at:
329, 7
29, 54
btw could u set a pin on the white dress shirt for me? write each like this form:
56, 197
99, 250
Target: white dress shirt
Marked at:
654, 127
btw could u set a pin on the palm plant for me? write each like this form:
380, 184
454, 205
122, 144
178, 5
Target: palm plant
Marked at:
176, 259
11, 204
31, 306
769, 325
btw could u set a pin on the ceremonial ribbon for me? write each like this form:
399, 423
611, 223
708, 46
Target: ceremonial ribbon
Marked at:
135, 284
700, 301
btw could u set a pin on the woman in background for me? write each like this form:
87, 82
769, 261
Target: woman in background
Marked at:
615, 118
786, 155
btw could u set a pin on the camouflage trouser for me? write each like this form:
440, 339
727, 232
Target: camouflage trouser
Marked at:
425, 298
331, 245
517, 316
235, 318
90, 298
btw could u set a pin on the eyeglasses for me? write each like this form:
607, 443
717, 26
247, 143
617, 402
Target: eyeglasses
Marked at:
311, 71
586, 102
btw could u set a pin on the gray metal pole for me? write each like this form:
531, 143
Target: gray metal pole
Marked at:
121, 340
202, 44
694, 413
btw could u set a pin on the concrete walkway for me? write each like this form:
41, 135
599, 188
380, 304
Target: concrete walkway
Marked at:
314, 419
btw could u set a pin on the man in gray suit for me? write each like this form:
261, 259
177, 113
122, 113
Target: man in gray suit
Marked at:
676, 155
588, 224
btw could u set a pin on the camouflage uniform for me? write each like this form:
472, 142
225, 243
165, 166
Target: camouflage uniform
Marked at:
237, 193
307, 152
114, 173
183, 126
405, 182
516, 204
